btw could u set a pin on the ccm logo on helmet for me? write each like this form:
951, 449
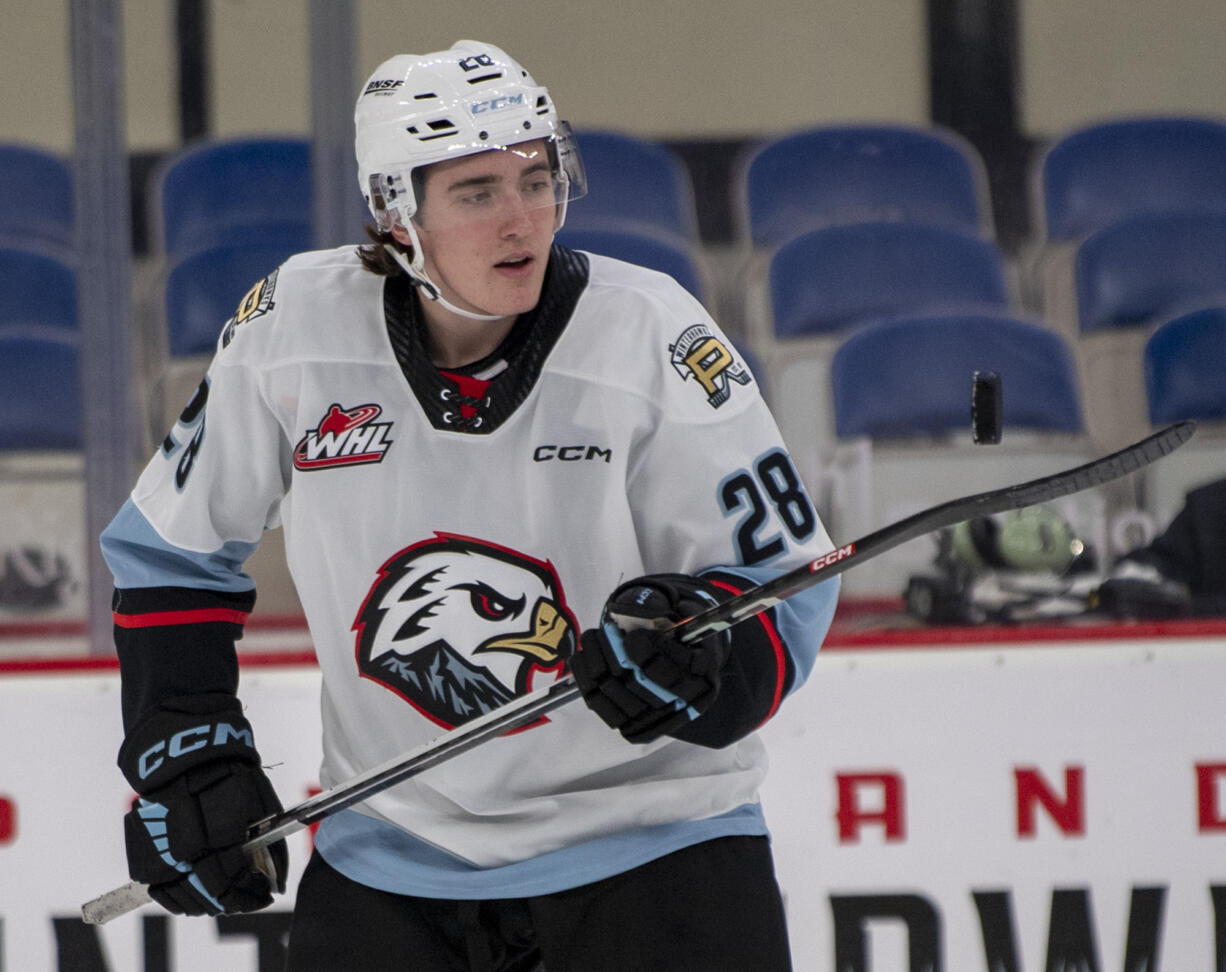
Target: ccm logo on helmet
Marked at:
497, 104
476, 61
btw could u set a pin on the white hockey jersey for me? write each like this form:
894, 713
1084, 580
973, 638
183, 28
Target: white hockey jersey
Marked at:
450, 534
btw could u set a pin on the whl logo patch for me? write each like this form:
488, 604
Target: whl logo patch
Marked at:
344, 437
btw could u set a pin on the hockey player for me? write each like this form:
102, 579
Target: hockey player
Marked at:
493, 458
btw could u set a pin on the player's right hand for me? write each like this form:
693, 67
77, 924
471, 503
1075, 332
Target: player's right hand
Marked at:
193, 763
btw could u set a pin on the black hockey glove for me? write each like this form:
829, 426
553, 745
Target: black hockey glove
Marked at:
636, 676
194, 765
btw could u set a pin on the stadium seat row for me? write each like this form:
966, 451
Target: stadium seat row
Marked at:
842, 227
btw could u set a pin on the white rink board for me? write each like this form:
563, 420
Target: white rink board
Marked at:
1130, 719
57, 767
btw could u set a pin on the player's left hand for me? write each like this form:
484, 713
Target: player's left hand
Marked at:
635, 674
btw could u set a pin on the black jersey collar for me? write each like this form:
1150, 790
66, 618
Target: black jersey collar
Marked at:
512, 369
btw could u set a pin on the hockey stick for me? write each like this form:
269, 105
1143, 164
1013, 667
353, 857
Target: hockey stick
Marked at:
527, 708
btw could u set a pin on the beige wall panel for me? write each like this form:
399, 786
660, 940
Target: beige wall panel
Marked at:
260, 78
1095, 59
680, 69
686, 69
151, 74
36, 75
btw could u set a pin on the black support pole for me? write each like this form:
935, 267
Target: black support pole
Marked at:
192, 42
973, 62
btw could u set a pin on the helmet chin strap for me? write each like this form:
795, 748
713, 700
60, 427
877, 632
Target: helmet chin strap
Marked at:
417, 273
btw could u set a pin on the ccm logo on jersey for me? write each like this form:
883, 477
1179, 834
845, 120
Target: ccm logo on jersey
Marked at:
344, 437
700, 354
572, 453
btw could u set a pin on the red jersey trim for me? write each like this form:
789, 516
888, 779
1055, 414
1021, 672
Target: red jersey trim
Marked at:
156, 619
776, 644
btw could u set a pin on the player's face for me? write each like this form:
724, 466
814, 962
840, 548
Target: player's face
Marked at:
485, 227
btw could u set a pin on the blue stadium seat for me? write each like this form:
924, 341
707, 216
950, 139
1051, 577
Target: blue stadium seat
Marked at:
632, 183
911, 376
240, 190
1095, 175
37, 288
1184, 360
40, 389
750, 359
36, 197
837, 277
657, 252
1149, 266
860, 173
204, 288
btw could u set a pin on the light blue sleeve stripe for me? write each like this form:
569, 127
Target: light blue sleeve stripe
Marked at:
380, 855
139, 557
802, 620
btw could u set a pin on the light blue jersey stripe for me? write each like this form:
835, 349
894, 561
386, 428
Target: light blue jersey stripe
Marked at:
383, 856
139, 557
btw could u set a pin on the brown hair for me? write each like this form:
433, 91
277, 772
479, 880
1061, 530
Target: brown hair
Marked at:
374, 255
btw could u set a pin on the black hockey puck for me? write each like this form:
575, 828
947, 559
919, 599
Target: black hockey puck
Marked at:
985, 408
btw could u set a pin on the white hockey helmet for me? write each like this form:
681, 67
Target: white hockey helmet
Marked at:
416, 110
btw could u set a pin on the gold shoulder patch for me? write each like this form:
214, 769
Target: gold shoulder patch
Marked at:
257, 301
699, 354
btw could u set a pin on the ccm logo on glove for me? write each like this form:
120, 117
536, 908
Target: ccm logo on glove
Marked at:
194, 763
189, 741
